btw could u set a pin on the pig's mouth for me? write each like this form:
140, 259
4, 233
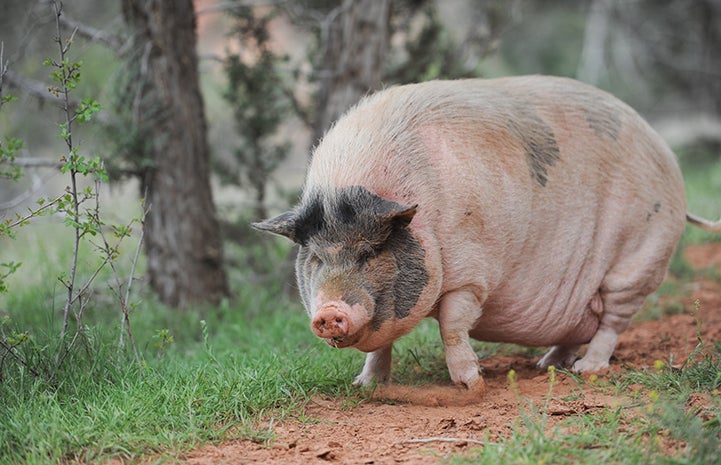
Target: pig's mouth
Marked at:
340, 342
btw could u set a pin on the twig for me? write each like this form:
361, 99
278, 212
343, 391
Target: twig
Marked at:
65, 99
10, 350
34, 213
27, 161
35, 162
38, 184
440, 439
91, 33
3, 70
39, 90
125, 321
224, 6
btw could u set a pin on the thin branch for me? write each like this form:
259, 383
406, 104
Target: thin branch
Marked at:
35, 162
10, 350
113, 41
28, 161
37, 89
70, 283
35, 213
125, 322
440, 439
39, 183
109, 253
3, 69
225, 6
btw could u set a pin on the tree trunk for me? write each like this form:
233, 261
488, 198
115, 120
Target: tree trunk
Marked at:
182, 237
592, 64
355, 44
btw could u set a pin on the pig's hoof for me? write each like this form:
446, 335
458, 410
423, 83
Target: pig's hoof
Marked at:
476, 386
585, 365
559, 357
363, 380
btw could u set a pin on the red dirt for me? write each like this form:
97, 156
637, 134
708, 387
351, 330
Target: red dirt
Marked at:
423, 425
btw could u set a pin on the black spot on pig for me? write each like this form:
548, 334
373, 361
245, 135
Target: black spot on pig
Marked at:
310, 220
413, 276
605, 124
364, 244
656, 209
538, 141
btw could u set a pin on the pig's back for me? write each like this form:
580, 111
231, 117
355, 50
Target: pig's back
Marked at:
532, 188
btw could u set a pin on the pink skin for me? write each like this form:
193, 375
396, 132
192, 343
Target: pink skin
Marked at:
340, 324
547, 210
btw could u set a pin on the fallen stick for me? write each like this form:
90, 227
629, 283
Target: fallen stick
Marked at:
439, 439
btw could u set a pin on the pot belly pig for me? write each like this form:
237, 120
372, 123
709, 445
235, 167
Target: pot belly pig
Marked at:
533, 210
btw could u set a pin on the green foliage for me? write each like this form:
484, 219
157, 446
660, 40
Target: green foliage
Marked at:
81, 212
259, 97
6, 269
163, 339
548, 40
9, 147
88, 107
431, 54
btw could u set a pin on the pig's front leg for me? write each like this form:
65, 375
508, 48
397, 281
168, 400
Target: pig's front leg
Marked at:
377, 367
459, 310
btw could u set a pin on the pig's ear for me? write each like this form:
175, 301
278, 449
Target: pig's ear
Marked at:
283, 224
400, 216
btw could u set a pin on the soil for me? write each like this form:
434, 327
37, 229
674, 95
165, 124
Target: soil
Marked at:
410, 425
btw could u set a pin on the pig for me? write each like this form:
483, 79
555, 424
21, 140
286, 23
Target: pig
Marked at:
532, 210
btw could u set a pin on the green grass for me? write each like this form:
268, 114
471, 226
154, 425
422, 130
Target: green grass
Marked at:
207, 374
702, 176
655, 425
664, 434
216, 381
191, 391
212, 374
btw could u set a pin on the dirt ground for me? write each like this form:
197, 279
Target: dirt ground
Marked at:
422, 425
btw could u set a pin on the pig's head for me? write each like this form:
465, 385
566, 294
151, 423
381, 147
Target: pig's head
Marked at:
360, 270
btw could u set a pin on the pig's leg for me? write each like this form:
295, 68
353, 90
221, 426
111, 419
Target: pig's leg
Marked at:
377, 367
457, 315
619, 308
559, 357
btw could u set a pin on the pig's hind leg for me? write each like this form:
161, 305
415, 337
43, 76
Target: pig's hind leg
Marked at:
377, 367
459, 310
623, 291
563, 355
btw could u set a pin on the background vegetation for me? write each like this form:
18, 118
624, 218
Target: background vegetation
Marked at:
135, 375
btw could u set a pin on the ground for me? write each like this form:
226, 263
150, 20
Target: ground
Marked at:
422, 425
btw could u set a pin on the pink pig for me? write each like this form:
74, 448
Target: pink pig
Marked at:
534, 210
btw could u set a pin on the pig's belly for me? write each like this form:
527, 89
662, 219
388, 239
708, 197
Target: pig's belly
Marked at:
537, 326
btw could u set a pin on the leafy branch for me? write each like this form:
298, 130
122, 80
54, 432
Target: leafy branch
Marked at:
80, 209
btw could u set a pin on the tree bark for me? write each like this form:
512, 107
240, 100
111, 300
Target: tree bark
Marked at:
355, 44
182, 236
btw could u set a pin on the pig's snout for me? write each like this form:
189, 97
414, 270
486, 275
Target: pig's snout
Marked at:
330, 322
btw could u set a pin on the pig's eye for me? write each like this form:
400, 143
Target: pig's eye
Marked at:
363, 258
365, 254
